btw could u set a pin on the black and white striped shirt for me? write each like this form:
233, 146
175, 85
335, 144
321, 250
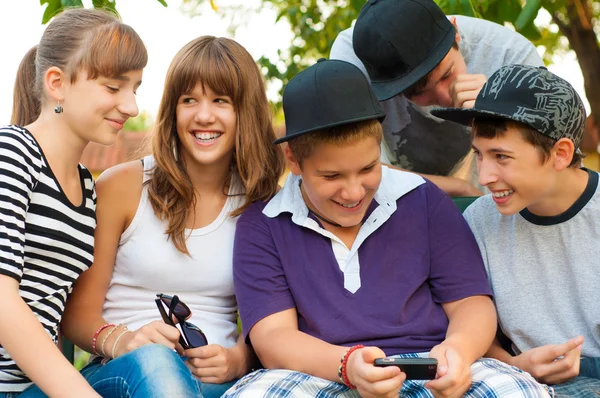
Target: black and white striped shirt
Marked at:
46, 242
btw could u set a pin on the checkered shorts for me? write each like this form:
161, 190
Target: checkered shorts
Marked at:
490, 379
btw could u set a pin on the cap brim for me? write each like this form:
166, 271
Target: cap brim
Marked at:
380, 116
465, 116
387, 89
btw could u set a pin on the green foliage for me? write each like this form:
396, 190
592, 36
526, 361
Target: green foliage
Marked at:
142, 122
56, 6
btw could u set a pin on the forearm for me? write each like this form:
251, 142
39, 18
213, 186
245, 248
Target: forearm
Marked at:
453, 186
295, 350
497, 352
80, 324
472, 327
247, 359
37, 355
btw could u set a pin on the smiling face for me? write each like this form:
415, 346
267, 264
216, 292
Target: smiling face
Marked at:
206, 126
98, 108
339, 181
515, 171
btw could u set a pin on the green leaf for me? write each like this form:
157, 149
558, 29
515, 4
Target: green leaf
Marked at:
528, 14
163, 2
71, 3
53, 7
509, 10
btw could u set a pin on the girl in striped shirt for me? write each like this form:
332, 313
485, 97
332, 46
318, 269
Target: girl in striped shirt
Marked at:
77, 85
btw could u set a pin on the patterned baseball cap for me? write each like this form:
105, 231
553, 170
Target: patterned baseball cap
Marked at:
530, 95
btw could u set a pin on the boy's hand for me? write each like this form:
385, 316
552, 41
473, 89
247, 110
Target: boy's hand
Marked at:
464, 89
553, 363
371, 381
214, 364
453, 377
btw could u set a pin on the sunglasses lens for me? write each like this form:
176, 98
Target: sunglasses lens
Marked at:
194, 335
181, 311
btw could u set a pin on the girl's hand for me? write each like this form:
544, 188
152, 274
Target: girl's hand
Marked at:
155, 332
215, 364
371, 381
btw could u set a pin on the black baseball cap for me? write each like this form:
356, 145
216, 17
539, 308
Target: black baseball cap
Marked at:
530, 95
401, 41
327, 94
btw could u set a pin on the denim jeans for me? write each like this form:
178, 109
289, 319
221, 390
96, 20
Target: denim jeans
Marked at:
152, 370
31, 392
587, 384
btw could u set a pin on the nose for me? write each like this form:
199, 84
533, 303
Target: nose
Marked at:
128, 105
353, 191
487, 172
442, 96
204, 114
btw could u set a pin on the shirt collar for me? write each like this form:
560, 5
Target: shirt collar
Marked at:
394, 185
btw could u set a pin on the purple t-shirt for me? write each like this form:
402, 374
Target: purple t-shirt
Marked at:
422, 256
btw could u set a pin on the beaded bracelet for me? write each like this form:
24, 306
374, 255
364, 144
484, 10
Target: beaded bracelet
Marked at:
342, 374
95, 338
114, 347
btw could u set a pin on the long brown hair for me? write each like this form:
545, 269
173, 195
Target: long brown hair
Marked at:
78, 38
227, 68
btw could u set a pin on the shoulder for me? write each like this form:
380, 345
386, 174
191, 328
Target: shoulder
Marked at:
254, 213
21, 141
482, 213
119, 188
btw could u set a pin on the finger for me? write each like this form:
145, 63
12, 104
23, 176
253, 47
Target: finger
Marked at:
548, 354
468, 104
564, 368
168, 331
460, 98
440, 355
385, 388
204, 352
451, 378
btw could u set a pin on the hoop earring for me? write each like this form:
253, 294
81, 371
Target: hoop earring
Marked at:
58, 108
175, 152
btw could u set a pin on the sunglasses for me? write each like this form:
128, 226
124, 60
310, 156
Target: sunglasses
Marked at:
190, 335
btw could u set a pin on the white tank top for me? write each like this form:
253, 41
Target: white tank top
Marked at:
147, 263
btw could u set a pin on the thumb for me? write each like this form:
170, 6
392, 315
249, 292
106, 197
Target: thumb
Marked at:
370, 354
442, 357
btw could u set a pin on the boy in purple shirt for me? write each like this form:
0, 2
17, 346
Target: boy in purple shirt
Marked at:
352, 261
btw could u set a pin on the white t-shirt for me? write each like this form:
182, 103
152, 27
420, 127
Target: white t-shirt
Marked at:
148, 263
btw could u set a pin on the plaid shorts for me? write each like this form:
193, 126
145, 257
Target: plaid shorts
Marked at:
490, 379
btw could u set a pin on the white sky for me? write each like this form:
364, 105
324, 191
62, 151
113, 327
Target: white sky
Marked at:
165, 31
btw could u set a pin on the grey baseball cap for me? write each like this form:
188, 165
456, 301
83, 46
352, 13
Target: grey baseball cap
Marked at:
530, 95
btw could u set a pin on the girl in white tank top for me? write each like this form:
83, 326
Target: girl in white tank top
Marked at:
167, 224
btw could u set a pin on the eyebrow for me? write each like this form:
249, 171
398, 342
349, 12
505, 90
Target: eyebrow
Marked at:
373, 163
493, 150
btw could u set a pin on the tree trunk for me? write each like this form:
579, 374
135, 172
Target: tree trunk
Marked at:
582, 39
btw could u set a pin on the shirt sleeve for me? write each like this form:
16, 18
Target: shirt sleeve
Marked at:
457, 269
19, 172
259, 280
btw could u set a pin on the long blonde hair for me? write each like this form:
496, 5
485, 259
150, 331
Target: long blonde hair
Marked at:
228, 69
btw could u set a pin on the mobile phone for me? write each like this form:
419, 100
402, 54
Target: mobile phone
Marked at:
415, 368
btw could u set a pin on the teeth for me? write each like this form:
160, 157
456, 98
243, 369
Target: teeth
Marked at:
502, 194
207, 136
350, 205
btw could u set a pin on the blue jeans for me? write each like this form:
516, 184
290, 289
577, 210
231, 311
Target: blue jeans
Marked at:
152, 370
31, 392
587, 384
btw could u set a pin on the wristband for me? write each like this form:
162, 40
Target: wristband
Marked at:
95, 338
111, 331
342, 373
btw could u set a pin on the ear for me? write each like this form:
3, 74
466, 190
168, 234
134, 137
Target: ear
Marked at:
456, 35
562, 153
55, 81
292, 162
